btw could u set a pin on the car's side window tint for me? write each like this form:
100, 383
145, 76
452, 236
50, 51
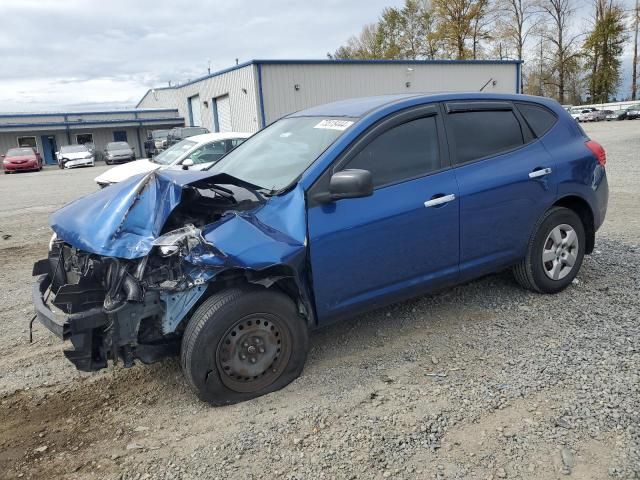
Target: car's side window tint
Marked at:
403, 152
479, 134
539, 118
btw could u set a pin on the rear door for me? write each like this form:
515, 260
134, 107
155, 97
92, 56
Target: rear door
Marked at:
401, 240
506, 182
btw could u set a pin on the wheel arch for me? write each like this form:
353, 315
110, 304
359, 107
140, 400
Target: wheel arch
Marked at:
282, 278
582, 208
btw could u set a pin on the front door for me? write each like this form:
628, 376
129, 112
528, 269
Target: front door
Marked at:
401, 240
49, 149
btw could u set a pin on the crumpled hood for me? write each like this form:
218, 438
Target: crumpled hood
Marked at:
126, 170
124, 219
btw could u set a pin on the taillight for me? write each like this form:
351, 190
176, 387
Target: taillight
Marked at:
598, 151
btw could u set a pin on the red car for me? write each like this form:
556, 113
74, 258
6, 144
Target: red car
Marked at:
21, 159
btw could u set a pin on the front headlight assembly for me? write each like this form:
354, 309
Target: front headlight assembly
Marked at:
171, 242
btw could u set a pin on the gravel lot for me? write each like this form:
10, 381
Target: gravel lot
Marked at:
484, 381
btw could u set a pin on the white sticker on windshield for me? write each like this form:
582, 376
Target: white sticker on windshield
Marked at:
334, 124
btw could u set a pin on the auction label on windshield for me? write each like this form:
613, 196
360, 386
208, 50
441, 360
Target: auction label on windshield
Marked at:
334, 124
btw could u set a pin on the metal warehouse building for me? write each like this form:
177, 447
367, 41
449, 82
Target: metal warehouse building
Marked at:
251, 95
47, 132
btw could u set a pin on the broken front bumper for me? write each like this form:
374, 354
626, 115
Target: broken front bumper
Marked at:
79, 328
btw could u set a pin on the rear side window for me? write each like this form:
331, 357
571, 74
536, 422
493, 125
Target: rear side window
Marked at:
539, 118
409, 150
484, 133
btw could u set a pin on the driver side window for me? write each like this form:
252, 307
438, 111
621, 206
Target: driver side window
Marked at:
211, 152
404, 152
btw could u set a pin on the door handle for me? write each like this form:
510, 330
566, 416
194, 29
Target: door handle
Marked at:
540, 173
434, 202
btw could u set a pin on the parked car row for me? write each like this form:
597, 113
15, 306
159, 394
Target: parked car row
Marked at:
591, 114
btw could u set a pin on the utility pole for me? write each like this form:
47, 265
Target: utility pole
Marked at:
634, 72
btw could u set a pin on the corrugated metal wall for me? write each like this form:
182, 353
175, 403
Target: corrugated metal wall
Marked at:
318, 84
239, 84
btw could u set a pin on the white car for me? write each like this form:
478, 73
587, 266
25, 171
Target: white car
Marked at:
70, 156
196, 153
580, 113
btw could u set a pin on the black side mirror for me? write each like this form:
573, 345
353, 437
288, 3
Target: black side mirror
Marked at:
352, 183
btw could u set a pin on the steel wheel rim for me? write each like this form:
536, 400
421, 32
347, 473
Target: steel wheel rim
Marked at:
560, 252
253, 352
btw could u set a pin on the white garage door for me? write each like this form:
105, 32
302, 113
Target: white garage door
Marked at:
224, 114
194, 111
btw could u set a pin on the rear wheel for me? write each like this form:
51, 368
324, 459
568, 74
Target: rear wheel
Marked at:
243, 343
554, 254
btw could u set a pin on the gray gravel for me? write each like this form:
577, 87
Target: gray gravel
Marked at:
481, 381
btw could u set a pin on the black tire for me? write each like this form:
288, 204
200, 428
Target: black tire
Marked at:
214, 343
531, 272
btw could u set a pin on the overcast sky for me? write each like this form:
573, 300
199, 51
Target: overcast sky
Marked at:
79, 54
88, 54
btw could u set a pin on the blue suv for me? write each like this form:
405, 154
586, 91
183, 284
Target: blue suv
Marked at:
324, 214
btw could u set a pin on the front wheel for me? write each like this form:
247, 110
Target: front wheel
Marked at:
554, 254
242, 343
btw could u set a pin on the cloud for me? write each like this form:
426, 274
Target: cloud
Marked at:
58, 54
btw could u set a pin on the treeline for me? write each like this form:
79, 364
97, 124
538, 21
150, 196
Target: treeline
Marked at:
571, 59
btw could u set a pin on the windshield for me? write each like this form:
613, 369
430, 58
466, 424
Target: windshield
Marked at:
73, 149
118, 146
277, 155
173, 153
159, 134
14, 152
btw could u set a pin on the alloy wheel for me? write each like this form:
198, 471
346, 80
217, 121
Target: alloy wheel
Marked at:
560, 252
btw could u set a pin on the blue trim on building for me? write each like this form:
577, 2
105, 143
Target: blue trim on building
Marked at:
399, 62
70, 125
214, 112
79, 114
141, 152
261, 97
190, 110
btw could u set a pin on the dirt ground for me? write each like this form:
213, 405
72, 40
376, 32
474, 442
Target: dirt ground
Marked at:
483, 381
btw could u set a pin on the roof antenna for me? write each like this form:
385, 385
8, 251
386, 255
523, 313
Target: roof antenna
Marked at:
209, 67
236, 61
485, 85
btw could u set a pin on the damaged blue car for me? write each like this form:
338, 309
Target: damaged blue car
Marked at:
326, 213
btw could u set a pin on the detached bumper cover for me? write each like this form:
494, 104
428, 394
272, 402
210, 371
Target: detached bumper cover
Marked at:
77, 327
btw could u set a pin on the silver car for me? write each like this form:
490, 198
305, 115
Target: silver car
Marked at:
595, 116
118, 152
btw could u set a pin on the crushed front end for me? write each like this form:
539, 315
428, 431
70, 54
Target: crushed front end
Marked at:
128, 265
118, 309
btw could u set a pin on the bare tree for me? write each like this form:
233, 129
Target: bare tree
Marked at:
517, 19
560, 13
